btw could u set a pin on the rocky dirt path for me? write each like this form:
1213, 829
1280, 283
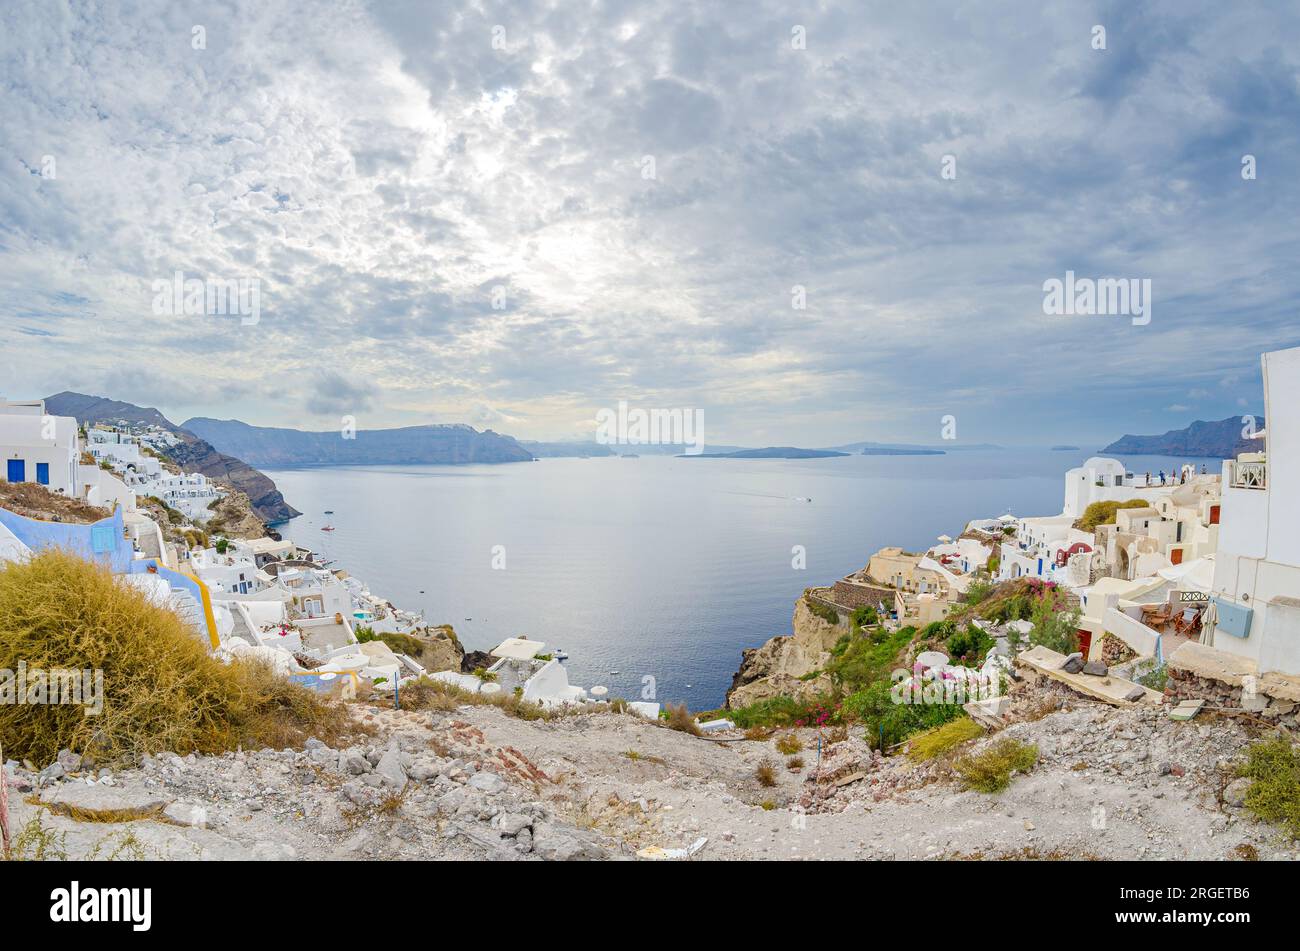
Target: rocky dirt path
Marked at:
475, 783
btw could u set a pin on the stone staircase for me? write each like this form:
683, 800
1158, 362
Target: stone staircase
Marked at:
189, 611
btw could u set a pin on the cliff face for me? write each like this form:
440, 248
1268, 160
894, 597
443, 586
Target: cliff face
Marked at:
195, 455
1218, 439
776, 667
234, 517
431, 445
192, 454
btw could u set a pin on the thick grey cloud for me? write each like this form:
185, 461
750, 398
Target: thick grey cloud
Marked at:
449, 212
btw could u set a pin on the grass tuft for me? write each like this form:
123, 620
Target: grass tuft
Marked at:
788, 744
162, 691
991, 769
765, 773
679, 718
936, 742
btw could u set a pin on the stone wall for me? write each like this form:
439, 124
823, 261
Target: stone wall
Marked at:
1114, 651
853, 595
1184, 685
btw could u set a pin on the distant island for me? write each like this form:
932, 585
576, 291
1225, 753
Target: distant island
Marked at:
1065, 449
771, 452
860, 448
565, 450
887, 451
1216, 439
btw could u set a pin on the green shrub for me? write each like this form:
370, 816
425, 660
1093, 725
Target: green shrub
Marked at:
865, 616
991, 769
1274, 795
971, 645
868, 657
932, 743
1156, 679
364, 635
402, 643
1054, 627
980, 590
888, 723
1103, 513
825, 612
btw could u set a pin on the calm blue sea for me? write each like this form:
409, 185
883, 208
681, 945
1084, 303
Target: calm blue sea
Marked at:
652, 566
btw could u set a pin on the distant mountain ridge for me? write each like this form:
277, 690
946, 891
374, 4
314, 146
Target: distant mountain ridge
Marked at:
192, 454
449, 444
1216, 439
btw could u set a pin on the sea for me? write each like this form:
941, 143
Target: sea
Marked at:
652, 573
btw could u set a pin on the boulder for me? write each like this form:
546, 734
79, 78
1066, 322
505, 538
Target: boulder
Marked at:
1096, 668
559, 844
390, 769
103, 803
353, 762
512, 823
486, 782
1073, 664
1235, 792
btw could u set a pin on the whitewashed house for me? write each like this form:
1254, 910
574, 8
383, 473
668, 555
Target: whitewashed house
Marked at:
191, 494
522, 667
38, 447
1256, 587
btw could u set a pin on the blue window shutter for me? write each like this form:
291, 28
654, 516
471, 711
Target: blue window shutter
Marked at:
43, 473
101, 539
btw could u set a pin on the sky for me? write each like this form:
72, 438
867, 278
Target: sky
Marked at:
814, 223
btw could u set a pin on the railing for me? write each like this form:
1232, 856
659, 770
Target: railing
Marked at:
1249, 475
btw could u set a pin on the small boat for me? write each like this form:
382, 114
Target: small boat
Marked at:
329, 511
560, 654
614, 673
327, 528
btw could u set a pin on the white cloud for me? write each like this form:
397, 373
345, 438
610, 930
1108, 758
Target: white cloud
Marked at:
382, 170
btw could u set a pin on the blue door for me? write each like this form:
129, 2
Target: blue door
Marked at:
43, 473
17, 470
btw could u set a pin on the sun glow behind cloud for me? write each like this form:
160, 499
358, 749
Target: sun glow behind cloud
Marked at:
382, 169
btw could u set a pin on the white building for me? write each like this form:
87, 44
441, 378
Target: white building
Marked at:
1102, 479
1257, 569
122, 451
522, 667
191, 494
38, 447
316, 592
231, 573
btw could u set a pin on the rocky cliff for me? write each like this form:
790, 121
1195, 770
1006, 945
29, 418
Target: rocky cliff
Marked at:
777, 667
1217, 439
430, 445
234, 517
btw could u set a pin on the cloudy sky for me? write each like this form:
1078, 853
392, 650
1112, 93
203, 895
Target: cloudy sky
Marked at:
515, 214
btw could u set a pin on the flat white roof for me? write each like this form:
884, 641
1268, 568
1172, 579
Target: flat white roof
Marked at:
518, 648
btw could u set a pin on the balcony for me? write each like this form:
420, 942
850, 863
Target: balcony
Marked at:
1250, 473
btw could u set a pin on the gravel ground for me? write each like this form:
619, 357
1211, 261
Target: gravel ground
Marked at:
475, 783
